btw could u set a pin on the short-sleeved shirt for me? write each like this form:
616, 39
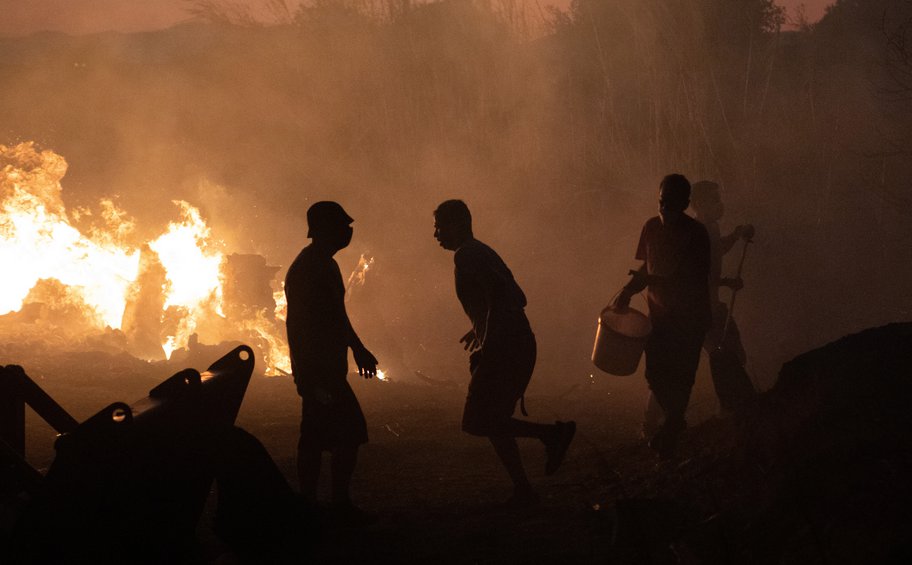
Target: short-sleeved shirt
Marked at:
318, 340
489, 294
317, 325
680, 255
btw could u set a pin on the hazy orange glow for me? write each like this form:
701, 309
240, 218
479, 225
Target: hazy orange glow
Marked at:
84, 16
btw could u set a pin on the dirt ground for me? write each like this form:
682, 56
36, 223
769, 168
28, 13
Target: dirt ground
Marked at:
816, 471
437, 491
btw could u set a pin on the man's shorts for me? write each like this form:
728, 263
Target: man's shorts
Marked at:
499, 379
340, 423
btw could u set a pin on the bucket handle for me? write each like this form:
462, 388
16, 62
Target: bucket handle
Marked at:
613, 298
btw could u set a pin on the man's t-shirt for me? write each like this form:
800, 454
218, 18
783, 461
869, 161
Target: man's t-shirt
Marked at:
680, 255
318, 332
489, 294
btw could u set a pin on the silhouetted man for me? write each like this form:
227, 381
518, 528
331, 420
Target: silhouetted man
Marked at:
675, 252
726, 353
319, 336
502, 349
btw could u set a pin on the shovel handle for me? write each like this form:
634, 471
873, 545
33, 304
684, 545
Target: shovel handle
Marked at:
731, 303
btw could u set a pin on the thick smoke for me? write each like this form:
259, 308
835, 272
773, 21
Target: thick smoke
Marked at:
555, 128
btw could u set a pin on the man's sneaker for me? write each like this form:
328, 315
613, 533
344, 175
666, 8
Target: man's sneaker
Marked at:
556, 449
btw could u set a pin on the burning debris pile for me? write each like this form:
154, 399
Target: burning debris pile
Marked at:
98, 286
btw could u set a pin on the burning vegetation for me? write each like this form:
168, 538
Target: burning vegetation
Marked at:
71, 277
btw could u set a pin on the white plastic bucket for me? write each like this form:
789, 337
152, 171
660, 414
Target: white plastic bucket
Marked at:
620, 340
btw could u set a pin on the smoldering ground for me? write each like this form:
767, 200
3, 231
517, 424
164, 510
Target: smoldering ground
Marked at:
555, 136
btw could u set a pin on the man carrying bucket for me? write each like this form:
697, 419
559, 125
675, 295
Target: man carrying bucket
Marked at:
723, 341
675, 252
503, 351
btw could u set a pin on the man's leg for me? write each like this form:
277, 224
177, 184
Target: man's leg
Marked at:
556, 437
310, 451
659, 369
498, 382
671, 365
308, 468
652, 417
508, 452
343, 467
523, 428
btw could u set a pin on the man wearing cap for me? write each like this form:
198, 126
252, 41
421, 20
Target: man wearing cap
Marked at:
319, 336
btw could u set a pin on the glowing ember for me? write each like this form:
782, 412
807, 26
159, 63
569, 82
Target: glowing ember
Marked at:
359, 275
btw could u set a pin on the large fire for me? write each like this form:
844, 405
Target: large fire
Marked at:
159, 293
37, 241
192, 270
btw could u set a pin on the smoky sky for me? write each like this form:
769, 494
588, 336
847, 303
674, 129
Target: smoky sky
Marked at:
557, 143
92, 16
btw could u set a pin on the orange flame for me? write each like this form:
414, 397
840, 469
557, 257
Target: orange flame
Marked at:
99, 269
192, 270
37, 241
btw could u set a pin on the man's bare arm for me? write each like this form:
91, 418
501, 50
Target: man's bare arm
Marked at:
364, 359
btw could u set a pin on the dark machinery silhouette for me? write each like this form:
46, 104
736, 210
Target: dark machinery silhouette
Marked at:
131, 482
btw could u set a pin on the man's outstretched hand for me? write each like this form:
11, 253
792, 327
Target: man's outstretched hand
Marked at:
367, 363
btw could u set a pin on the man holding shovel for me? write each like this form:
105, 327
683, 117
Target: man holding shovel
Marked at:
723, 342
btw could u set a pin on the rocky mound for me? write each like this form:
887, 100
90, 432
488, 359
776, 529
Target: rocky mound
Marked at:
819, 471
